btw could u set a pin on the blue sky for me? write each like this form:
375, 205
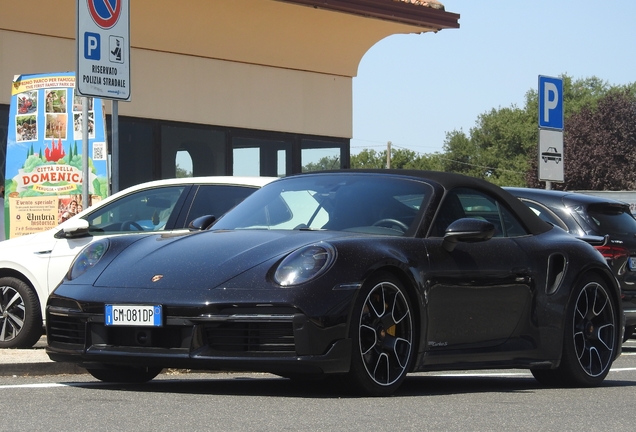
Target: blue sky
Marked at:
412, 89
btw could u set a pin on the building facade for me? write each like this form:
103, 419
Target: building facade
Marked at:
250, 87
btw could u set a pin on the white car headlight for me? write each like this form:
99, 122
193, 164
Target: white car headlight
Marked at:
304, 264
87, 258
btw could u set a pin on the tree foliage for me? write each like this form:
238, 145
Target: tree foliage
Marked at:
502, 147
369, 158
599, 143
496, 148
182, 172
400, 159
325, 163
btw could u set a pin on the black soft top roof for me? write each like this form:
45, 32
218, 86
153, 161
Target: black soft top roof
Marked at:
449, 181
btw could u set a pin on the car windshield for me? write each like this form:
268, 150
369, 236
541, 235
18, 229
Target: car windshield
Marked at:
353, 202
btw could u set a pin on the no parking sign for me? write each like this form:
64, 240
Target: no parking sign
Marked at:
103, 49
105, 13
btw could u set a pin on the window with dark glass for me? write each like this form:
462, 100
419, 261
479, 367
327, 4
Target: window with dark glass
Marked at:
468, 203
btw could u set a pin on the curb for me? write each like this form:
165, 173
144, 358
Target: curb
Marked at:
40, 368
34, 362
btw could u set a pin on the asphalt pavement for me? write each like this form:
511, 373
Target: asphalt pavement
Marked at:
33, 361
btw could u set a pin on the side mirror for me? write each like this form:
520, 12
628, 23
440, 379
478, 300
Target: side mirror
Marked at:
202, 223
467, 230
73, 228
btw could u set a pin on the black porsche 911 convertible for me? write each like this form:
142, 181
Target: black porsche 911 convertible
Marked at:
365, 274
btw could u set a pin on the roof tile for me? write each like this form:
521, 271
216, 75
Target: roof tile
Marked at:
434, 4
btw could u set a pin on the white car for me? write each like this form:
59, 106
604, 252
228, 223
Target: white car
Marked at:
32, 266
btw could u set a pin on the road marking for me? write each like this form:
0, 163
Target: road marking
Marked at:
52, 385
41, 385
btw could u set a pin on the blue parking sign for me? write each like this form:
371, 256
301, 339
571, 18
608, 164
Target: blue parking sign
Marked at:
92, 48
550, 103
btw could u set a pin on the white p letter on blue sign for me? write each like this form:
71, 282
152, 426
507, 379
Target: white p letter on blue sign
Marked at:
91, 46
550, 103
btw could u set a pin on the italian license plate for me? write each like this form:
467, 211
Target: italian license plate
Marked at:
133, 315
632, 263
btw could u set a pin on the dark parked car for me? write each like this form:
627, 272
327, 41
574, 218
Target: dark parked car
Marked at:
590, 217
365, 274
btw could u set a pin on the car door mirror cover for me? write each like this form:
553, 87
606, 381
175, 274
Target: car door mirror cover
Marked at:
467, 230
74, 228
201, 223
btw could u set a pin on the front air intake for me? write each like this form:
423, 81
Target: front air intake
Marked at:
65, 330
251, 337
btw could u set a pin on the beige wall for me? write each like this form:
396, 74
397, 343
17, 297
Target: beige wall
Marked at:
258, 64
200, 90
264, 32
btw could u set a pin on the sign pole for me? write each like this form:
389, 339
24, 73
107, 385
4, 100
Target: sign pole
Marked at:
115, 149
85, 173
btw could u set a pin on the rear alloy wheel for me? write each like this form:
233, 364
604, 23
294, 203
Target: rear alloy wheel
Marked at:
20, 315
124, 374
590, 338
382, 333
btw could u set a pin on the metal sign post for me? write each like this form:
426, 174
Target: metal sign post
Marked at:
85, 173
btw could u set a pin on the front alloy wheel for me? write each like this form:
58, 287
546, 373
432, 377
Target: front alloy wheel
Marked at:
20, 315
382, 331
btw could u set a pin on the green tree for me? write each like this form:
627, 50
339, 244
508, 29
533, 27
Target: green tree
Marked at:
598, 144
430, 162
403, 158
502, 147
577, 94
400, 159
460, 155
182, 172
369, 158
496, 149
325, 163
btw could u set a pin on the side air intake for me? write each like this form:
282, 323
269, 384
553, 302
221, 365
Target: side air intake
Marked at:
556, 271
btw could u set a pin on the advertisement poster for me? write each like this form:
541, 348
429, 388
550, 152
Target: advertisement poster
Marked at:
44, 178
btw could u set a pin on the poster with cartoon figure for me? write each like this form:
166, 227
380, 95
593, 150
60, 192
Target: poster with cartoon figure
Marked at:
44, 178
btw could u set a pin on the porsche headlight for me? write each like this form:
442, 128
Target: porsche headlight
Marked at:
87, 258
304, 264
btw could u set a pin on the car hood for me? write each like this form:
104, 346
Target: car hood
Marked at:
201, 260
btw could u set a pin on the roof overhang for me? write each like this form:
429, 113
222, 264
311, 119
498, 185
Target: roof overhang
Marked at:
430, 15
328, 36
